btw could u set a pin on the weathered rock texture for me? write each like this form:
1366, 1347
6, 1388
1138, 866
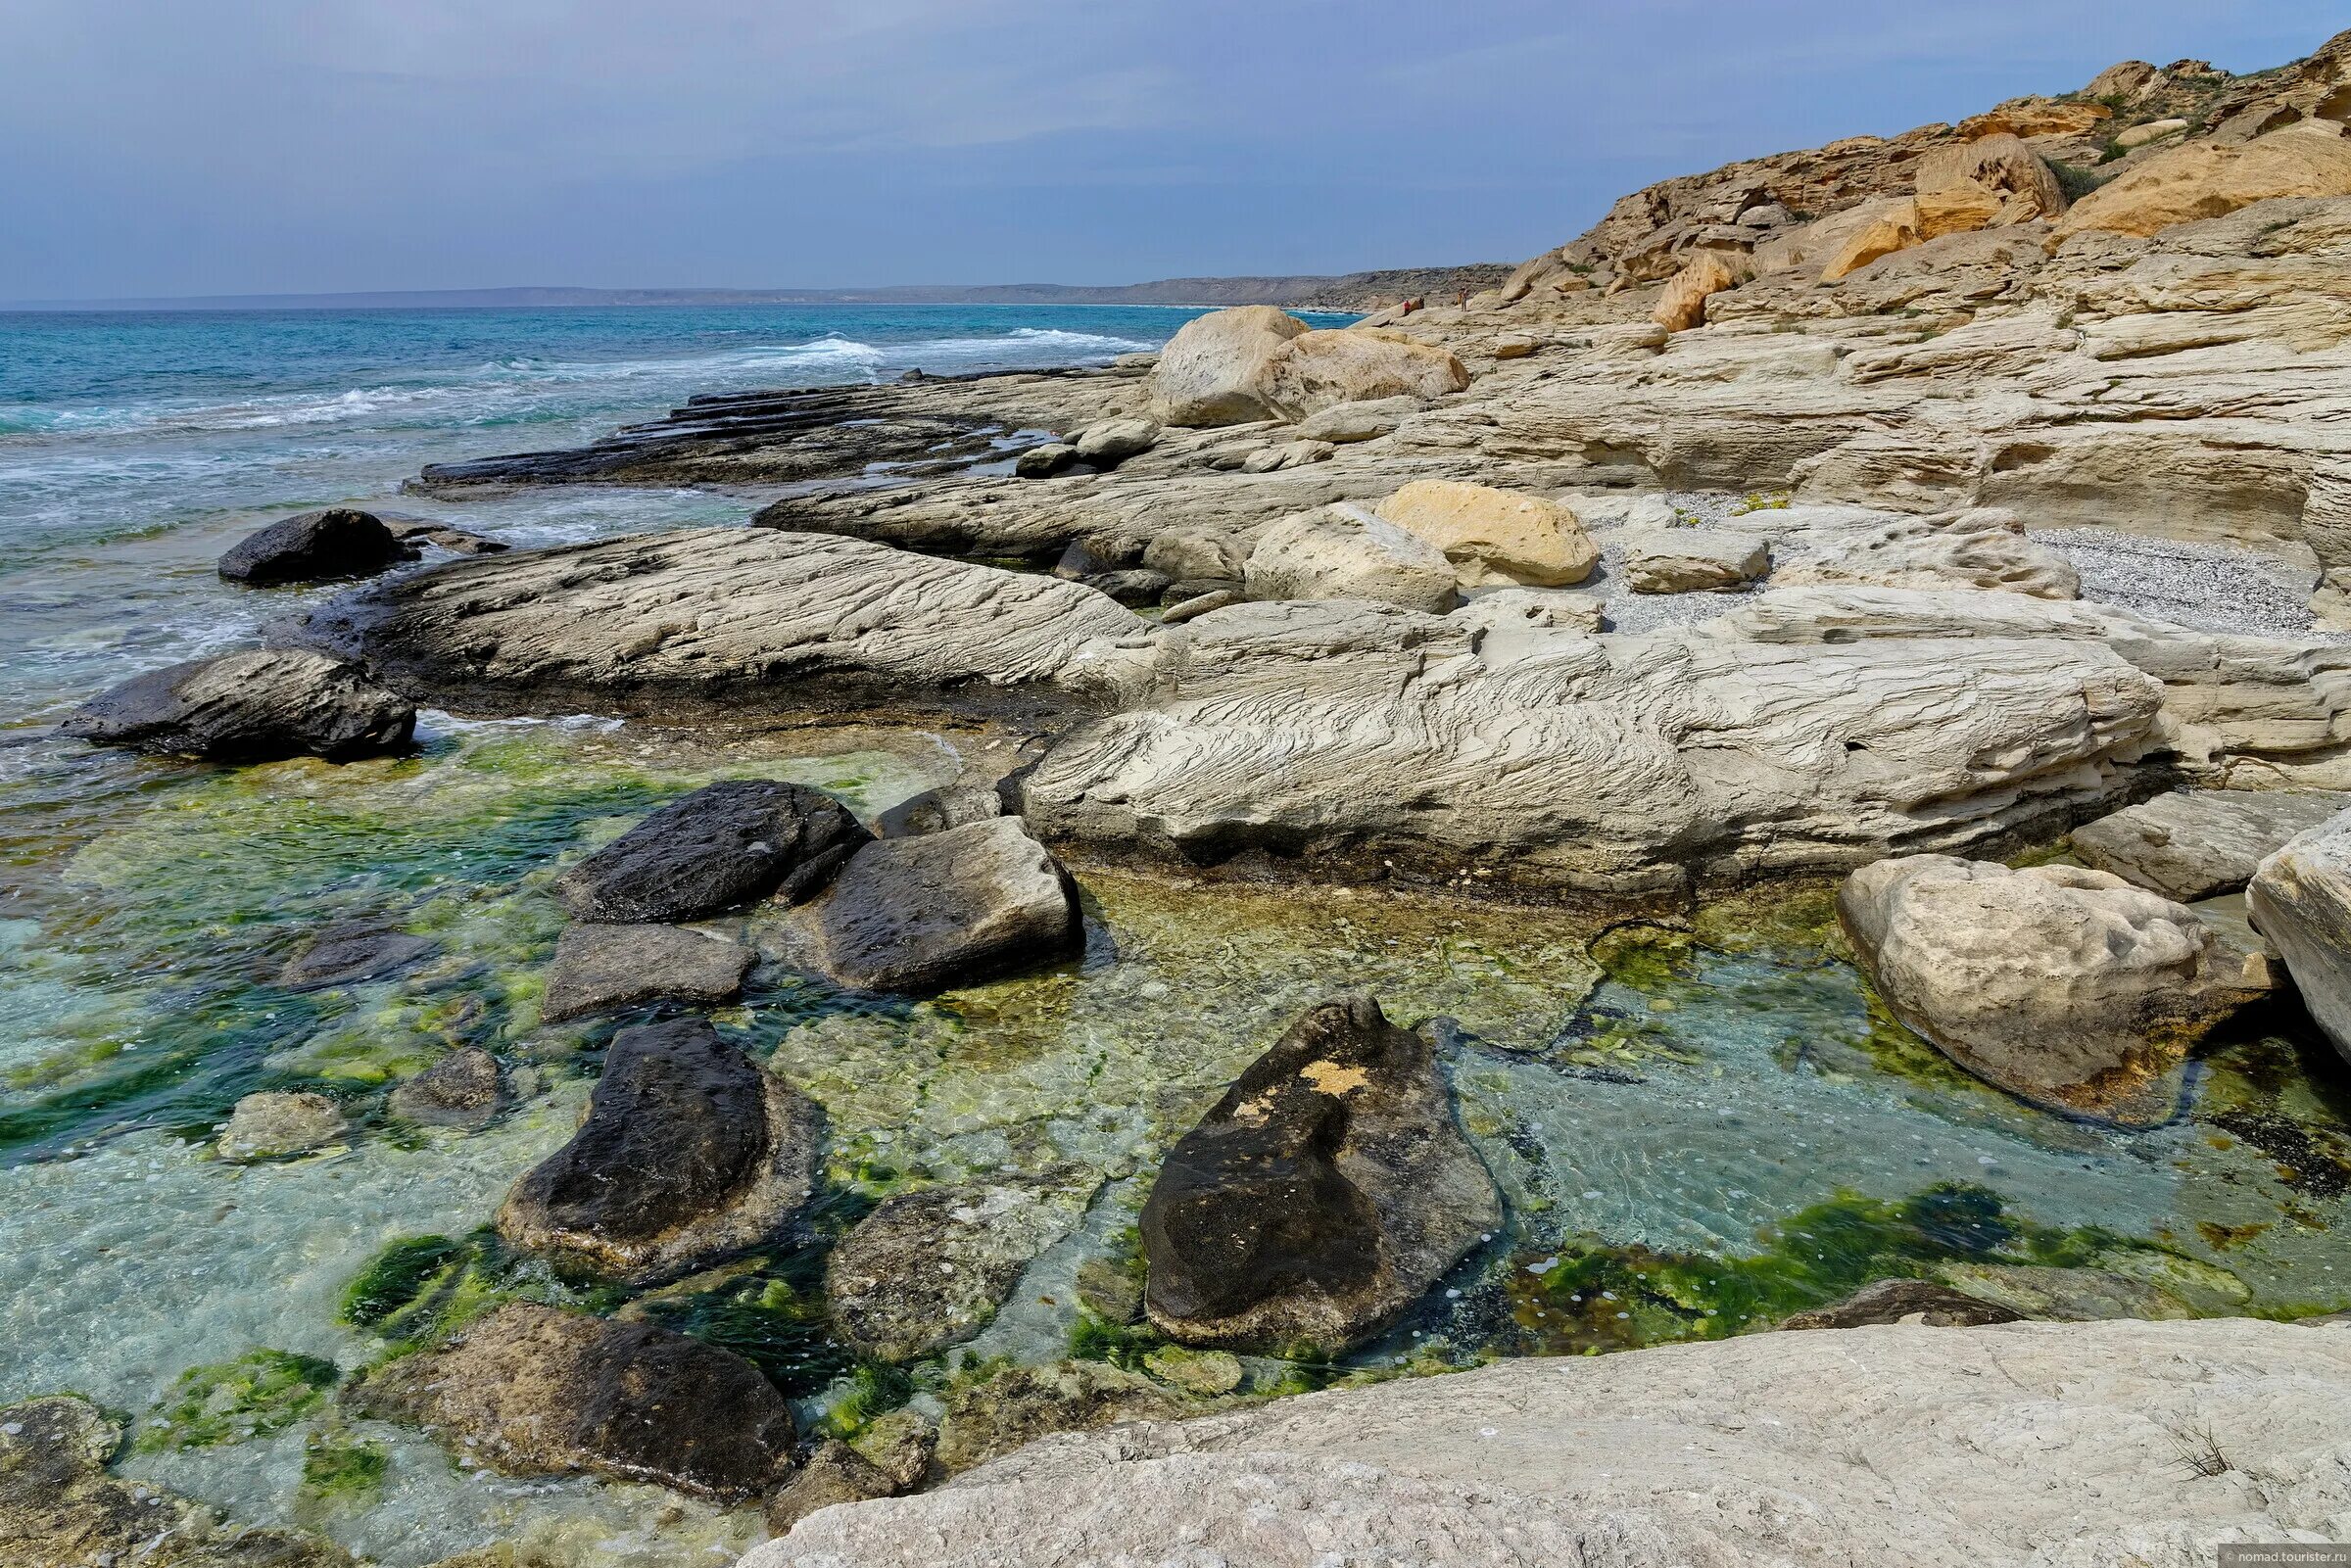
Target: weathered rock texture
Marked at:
1349, 553
2301, 899
723, 846
534, 1390
599, 967
1887, 1445
689, 1152
1904, 1300
276, 1122
2063, 985
254, 706
947, 908
1494, 537
2202, 844
1321, 1196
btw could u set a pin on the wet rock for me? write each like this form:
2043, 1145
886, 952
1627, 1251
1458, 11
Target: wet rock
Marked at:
2068, 1295
928, 1270
534, 1390
2065, 986
1689, 561
834, 1473
1090, 558
1204, 1375
949, 908
1347, 552
1109, 1291
1323, 1195
338, 542
934, 811
1904, 1300
462, 1089
1494, 537
600, 968
414, 531
276, 1124
723, 846
1199, 604
1043, 462
59, 1508
1023, 1404
689, 1152
254, 706
2202, 844
1111, 441
347, 954
2300, 900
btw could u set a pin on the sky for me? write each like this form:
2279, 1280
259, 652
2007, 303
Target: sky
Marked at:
191, 147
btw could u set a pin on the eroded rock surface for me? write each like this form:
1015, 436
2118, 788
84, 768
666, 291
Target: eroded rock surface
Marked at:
1348, 553
535, 1391
2300, 900
255, 706
275, 1123
723, 846
689, 1151
2063, 985
1325, 1192
2200, 843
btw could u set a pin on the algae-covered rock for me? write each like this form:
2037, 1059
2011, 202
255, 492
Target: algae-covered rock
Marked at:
1013, 1407
689, 1151
948, 908
463, 1090
1904, 1301
723, 846
535, 1391
348, 953
261, 1392
2068, 1295
834, 1473
276, 1123
928, 1269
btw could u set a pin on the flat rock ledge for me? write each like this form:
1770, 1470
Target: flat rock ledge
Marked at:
2026, 1444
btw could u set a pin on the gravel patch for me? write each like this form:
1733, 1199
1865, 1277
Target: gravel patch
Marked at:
2214, 588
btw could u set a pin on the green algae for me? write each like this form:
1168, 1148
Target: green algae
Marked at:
870, 1392
261, 1392
419, 1290
341, 1471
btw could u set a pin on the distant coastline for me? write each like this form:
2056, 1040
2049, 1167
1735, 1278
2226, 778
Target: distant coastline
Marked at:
1351, 291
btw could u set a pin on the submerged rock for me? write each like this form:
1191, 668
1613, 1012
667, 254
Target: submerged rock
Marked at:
337, 542
1904, 1301
1323, 1195
723, 846
276, 1123
2065, 986
2300, 900
948, 908
534, 1390
2202, 844
254, 706
1021, 1403
1346, 552
2068, 1295
599, 967
928, 1270
347, 954
834, 1473
462, 1089
689, 1152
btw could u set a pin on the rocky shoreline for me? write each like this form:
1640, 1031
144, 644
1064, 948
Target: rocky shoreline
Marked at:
1423, 612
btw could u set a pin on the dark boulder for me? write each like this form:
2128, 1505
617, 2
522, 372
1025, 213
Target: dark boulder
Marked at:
1136, 585
726, 845
949, 908
314, 547
937, 810
1323, 1195
1895, 1300
689, 1152
254, 706
534, 1390
834, 1473
600, 968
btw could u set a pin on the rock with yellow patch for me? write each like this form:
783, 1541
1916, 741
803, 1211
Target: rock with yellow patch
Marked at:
1999, 169
1323, 1195
1891, 225
2204, 179
1494, 537
1683, 305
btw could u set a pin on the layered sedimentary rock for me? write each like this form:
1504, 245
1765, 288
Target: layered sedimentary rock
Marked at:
254, 706
2301, 899
2202, 843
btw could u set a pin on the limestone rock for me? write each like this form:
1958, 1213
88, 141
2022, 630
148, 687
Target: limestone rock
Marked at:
1343, 423
1983, 548
314, 546
600, 968
1112, 442
255, 706
1325, 1192
2300, 900
1023, 1404
1689, 561
951, 908
1272, 459
275, 1123
689, 1152
1199, 604
1891, 225
1044, 462
1512, 619
462, 1089
1683, 305
350, 953
534, 1390
2065, 986
1217, 367
2206, 179
2200, 843
2154, 130
1195, 554
1318, 370
1904, 1300
928, 1270
1495, 536
1890, 1445
1346, 552
2126, 79
2002, 167
723, 846
731, 619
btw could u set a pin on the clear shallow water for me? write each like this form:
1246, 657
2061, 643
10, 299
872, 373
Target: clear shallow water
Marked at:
1689, 1133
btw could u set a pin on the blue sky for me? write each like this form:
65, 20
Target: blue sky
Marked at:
163, 147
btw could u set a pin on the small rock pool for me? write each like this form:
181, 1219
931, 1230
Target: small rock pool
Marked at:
1697, 1129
